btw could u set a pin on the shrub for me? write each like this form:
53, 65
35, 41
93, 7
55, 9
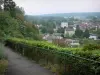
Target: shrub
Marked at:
67, 62
1, 51
3, 66
3, 62
91, 47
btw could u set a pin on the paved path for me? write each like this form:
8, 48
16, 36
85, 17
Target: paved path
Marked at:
19, 65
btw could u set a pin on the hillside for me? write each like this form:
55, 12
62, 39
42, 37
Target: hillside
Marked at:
81, 14
13, 23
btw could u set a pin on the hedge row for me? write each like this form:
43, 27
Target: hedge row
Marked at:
66, 62
91, 47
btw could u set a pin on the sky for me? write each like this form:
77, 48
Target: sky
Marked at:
39, 7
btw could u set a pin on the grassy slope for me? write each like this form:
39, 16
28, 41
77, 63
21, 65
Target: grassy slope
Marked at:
3, 61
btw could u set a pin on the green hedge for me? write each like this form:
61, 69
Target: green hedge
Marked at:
68, 63
91, 47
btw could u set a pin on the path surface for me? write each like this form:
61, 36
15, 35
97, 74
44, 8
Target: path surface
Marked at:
19, 65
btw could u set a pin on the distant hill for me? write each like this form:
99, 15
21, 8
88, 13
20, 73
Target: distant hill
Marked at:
82, 14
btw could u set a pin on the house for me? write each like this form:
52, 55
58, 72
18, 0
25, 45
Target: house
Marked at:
83, 26
93, 36
64, 24
66, 42
38, 26
77, 22
51, 37
71, 26
60, 42
57, 36
69, 31
72, 42
45, 36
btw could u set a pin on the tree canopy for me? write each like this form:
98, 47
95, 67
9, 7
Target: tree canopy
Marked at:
86, 33
13, 24
78, 32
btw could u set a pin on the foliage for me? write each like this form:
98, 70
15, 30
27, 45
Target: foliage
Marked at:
8, 26
60, 30
9, 5
1, 52
97, 32
48, 23
86, 33
89, 41
78, 32
93, 19
19, 10
3, 66
68, 62
3, 62
1, 2
12, 23
91, 47
43, 29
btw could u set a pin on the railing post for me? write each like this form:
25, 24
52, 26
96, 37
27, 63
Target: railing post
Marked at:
23, 52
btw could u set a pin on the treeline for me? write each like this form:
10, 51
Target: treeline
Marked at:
49, 23
13, 23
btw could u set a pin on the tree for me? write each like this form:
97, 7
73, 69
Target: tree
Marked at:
97, 33
86, 33
19, 10
20, 14
9, 5
43, 30
12, 25
50, 30
93, 19
8, 26
61, 30
78, 32
1, 2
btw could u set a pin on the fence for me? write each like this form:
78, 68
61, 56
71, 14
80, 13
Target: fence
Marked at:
66, 62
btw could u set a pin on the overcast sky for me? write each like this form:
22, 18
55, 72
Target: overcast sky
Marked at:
37, 7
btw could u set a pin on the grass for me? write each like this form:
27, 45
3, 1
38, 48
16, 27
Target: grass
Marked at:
96, 52
3, 66
3, 61
1, 51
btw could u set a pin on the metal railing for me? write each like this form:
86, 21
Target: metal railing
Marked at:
67, 62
